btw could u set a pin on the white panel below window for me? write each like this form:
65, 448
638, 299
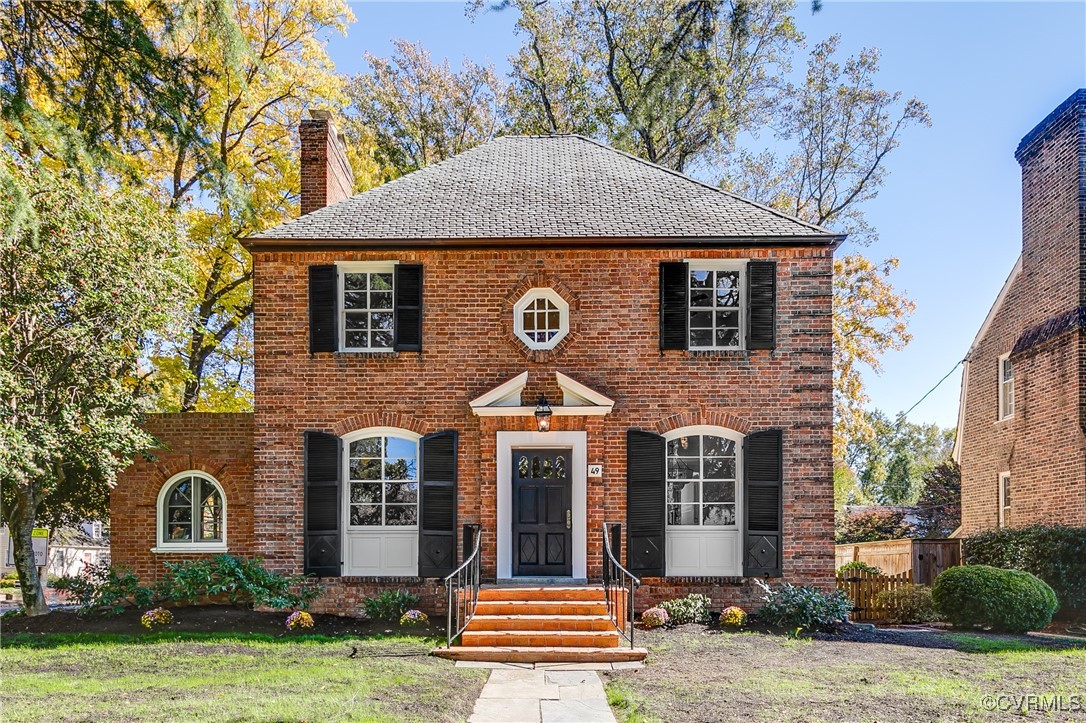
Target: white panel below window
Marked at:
382, 552
701, 552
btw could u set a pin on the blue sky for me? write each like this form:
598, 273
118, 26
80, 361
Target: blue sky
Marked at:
951, 207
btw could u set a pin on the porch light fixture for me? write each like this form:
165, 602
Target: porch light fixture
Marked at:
543, 415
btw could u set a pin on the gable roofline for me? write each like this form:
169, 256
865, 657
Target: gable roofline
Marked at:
963, 397
257, 243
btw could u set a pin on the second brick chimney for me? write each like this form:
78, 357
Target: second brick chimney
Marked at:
325, 173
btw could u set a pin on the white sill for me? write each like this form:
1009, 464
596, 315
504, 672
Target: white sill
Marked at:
1008, 418
192, 547
367, 350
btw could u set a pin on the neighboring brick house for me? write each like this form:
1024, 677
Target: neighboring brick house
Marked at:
1023, 406
404, 337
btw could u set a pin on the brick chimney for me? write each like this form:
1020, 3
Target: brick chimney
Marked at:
1053, 160
325, 173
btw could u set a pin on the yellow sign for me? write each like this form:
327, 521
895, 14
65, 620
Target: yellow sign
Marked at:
39, 532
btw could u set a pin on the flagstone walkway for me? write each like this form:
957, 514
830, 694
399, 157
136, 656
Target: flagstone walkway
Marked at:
543, 693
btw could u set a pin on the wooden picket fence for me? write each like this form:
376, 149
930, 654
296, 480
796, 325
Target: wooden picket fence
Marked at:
862, 587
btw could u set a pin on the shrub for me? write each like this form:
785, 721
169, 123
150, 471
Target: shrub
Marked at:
390, 605
873, 525
858, 566
733, 616
1054, 553
243, 582
156, 616
654, 618
104, 589
803, 607
908, 604
299, 619
414, 617
694, 608
1004, 600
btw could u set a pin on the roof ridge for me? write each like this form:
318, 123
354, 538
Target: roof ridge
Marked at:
711, 187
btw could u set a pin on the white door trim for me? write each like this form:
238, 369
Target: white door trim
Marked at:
575, 441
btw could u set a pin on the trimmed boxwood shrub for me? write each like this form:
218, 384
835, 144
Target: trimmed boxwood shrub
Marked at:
1010, 601
1054, 553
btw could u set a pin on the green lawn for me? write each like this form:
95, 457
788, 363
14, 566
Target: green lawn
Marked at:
696, 675
229, 677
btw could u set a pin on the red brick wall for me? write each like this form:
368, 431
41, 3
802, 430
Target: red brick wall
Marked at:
1042, 445
220, 445
612, 347
326, 176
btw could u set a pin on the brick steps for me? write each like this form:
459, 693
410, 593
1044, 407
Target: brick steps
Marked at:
533, 654
541, 607
533, 624
541, 622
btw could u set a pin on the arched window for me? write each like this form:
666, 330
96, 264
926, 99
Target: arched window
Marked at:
192, 513
704, 500
383, 480
381, 502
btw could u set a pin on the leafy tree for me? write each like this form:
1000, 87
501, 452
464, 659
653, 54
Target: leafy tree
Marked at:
671, 81
892, 464
873, 525
86, 273
420, 112
87, 78
939, 508
266, 62
841, 127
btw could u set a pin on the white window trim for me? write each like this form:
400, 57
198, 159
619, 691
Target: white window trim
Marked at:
381, 537
163, 545
1002, 384
739, 265
541, 292
356, 267
710, 537
1004, 477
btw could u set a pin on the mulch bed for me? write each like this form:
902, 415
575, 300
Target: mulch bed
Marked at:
208, 619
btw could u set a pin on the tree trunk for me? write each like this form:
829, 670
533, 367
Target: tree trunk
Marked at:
20, 525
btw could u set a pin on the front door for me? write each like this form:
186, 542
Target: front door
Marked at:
542, 512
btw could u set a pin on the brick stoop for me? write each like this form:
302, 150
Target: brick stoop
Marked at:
541, 624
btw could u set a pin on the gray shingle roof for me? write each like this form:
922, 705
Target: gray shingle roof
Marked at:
544, 187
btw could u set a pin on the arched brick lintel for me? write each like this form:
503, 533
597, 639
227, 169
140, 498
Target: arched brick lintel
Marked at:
700, 416
235, 486
400, 420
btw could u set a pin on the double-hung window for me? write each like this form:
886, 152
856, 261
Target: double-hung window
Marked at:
1004, 497
366, 306
716, 305
1006, 387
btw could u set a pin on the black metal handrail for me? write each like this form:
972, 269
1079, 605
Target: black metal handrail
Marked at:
463, 586
619, 583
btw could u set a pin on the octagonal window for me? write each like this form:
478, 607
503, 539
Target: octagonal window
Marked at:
541, 318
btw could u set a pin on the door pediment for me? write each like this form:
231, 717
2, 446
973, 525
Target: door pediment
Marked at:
505, 400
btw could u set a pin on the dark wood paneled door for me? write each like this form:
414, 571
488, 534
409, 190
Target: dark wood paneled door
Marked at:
542, 512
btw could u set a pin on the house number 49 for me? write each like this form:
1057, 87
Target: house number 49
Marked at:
595, 470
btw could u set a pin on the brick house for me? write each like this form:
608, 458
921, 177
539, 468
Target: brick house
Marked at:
1023, 404
404, 338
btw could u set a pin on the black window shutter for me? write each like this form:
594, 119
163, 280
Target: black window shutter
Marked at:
645, 481
407, 335
323, 289
322, 504
674, 305
763, 485
437, 505
761, 305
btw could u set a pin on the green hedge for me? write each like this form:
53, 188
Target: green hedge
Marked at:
1054, 553
1004, 600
